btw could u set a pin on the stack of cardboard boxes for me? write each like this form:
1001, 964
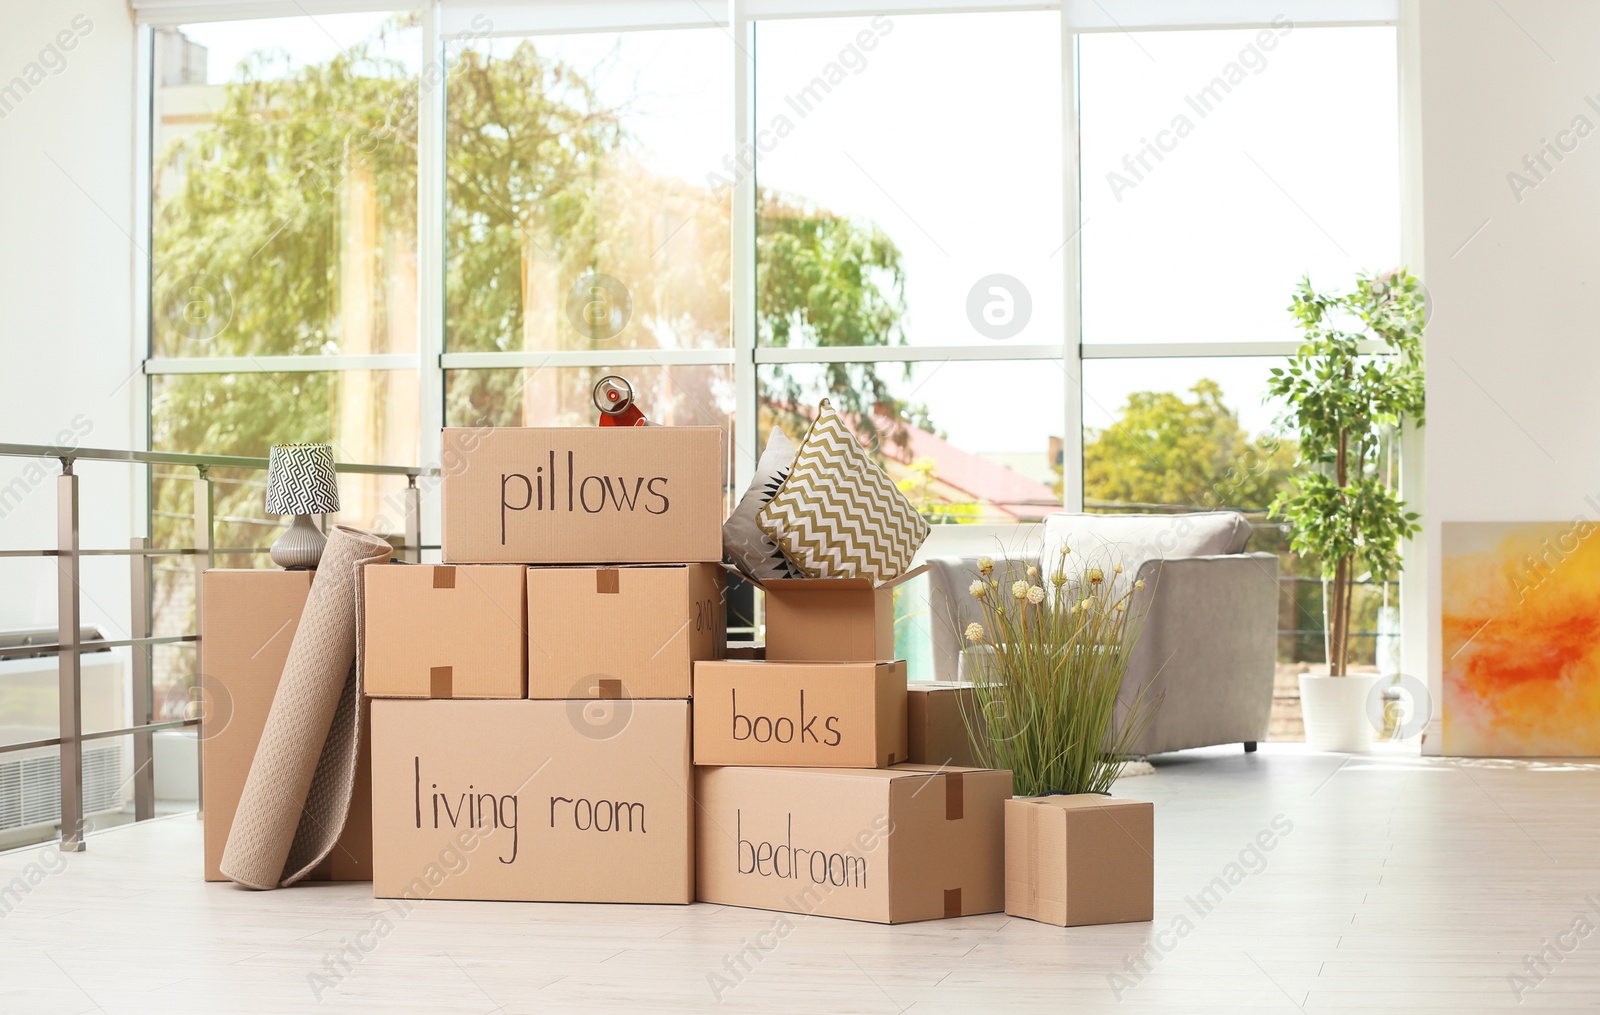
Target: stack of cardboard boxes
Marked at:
804, 768
547, 751
531, 726
555, 716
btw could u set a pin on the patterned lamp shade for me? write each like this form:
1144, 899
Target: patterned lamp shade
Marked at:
301, 480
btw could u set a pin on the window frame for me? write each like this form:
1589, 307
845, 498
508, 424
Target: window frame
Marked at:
445, 20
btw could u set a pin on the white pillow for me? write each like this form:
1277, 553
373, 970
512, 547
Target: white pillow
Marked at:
745, 545
1103, 540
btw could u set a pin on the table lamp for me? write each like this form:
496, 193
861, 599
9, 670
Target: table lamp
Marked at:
301, 482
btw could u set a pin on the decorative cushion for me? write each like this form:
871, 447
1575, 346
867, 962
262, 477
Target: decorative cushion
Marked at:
838, 515
1133, 539
746, 546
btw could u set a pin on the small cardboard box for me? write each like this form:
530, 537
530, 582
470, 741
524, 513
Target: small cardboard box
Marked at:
582, 495
813, 715
532, 801
444, 631
622, 632
247, 622
886, 845
1080, 859
831, 619
936, 723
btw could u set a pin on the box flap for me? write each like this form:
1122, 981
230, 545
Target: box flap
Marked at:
1082, 801
825, 584
588, 567
901, 771
816, 584
917, 768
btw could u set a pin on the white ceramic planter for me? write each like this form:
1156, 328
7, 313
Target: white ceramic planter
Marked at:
1335, 710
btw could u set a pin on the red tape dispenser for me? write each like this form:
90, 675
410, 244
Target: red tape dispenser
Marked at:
613, 396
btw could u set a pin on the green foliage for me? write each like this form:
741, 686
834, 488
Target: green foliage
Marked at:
261, 202
544, 184
1048, 672
1347, 409
528, 141
259, 195
299, 199
1168, 449
826, 281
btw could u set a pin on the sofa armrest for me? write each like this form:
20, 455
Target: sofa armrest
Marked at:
1209, 648
951, 607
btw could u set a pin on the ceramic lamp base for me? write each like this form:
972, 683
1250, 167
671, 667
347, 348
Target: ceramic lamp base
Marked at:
300, 546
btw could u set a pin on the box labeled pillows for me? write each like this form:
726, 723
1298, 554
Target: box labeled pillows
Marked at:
831, 511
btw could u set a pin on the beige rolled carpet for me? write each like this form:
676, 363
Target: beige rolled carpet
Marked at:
297, 795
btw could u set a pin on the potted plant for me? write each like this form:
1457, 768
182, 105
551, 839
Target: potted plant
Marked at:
1347, 406
1048, 666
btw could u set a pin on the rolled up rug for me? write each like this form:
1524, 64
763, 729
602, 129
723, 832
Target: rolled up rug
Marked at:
297, 795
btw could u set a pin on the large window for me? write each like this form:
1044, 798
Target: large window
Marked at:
1219, 168
1034, 265
284, 276
909, 232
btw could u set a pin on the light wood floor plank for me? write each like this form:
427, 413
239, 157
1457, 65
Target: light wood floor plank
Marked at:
1406, 884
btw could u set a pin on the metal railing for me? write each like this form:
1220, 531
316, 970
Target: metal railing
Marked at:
70, 645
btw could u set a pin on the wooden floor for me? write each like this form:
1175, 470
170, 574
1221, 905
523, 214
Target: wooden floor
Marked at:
1405, 884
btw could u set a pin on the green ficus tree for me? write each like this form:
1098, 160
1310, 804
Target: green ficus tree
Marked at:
1346, 407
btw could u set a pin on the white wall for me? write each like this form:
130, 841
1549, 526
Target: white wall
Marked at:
67, 260
1513, 352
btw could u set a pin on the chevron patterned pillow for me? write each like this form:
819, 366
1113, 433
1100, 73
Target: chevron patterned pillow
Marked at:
838, 515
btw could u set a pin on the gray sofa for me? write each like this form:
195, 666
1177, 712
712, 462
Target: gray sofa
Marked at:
1209, 644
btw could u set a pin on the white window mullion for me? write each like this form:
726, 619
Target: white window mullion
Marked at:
430, 258
156, 366
144, 194
1205, 350
534, 359
905, 353
1071, 277
742, 259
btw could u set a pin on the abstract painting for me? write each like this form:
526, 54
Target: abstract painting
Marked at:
1521, 639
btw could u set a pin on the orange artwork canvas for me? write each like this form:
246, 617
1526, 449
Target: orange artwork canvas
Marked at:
1521, 639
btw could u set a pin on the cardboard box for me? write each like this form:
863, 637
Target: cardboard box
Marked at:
812, 715
746, 650
831, 619
1080, 859
887, 845
583, 495
444, 631
247, 622
532, 801
622, 632
936, 723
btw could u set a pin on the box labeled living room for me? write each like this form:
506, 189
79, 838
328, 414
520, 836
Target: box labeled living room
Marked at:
532, 800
